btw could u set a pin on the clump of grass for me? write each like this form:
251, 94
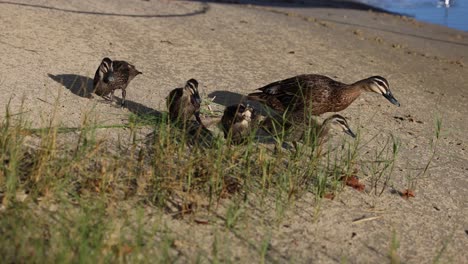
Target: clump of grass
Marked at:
72, 176
11, 154
381, 167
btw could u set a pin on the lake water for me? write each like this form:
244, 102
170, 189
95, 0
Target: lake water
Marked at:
450, 13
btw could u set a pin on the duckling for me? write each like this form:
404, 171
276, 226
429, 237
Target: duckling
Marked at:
183, 103
318, 133
113, 75
237, 122
336, 122
318, 94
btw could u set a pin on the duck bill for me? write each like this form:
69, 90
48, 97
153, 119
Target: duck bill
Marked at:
351, 133
196, 100
392, 99
249, 108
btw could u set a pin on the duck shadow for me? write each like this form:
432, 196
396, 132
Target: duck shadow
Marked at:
227, 98
77, 84
83, 87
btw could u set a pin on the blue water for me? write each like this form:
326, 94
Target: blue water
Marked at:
453, 14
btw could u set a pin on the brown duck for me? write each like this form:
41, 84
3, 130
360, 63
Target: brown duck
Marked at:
183, 103
318, 94
113, 75
237, 122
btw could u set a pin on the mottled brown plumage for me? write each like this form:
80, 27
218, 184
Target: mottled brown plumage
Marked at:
237, 122
113, 75
183, 103
317, 94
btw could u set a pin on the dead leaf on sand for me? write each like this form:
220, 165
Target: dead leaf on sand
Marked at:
406, 194
353, 181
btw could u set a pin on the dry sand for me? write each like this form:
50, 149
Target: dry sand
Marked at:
237, 48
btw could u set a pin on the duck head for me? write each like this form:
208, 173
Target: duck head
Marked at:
191, 87
106, 70
379, 85
339, 123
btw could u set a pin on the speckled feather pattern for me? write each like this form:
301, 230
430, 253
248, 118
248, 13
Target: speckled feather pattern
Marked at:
317, 92
123, 74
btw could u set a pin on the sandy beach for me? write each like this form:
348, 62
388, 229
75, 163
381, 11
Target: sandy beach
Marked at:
50, 51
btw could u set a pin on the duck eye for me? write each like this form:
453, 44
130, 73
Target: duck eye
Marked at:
382, 86
341, 122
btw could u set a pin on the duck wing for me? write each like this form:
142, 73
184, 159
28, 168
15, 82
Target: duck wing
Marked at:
279, 95
286, 86
317, 93
289, 93
121, 70
173, 99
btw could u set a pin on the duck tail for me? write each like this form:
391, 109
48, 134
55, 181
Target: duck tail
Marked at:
259, 97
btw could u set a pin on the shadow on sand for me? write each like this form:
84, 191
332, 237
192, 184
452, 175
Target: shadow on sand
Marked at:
77, 84
227, 98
